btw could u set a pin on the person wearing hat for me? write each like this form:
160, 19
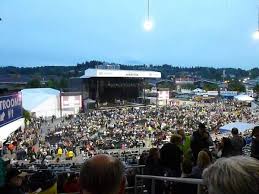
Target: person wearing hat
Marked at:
13, 183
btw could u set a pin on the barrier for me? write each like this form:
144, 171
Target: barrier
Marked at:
198, 182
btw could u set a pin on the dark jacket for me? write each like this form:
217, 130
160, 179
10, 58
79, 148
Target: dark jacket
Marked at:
184, 188
199, 143
237, 145
11, 190
171, 158
255, 149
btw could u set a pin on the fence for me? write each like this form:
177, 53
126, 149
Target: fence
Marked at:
198, 182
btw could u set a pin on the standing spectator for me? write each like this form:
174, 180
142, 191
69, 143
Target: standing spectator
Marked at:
171, 156
153, 167
186, 143
237, 142
226, 147
255, 143
200, 139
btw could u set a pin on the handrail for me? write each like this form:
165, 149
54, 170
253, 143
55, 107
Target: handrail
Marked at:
173, 179
170, 179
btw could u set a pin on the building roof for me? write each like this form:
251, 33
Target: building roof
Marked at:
90, 73
34, 96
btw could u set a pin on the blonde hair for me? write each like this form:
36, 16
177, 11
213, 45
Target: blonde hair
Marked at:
233, 175
203, 160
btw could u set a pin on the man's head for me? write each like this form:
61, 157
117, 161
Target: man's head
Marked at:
102, 174
234, 131
256, 132
202, 128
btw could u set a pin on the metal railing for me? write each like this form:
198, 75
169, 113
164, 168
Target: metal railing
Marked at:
153, 179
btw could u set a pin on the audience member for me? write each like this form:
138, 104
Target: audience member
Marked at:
171, 156
102, 174
255, 143
233, 175
237, 142
183, 188
14, 179
200, 139
203, 161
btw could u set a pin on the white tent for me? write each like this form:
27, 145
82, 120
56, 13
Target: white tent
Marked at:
43, 102
244, 98
241, 126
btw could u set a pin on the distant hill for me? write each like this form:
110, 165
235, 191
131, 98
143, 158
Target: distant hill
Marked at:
59, 72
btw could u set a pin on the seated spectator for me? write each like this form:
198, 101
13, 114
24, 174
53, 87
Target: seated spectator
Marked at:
102, 174
203, 162
255, 143
14, 179
171, 156
183, 188
72, 184
237, 142
233, 175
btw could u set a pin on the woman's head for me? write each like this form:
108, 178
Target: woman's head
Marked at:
203, 160
176, 139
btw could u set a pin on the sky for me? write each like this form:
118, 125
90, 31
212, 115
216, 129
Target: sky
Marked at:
215, 33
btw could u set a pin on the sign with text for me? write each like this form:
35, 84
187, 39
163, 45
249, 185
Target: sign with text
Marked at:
10, 108
71, 101
163, 95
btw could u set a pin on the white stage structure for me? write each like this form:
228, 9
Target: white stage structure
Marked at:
42, 102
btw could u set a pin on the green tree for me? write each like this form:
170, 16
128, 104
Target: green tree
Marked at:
63, 83
26, 116
236, 85
166, 84
188, 86
210, 87
53, 84
256, 89
34, 83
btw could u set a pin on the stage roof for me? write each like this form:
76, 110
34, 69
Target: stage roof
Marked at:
90, 73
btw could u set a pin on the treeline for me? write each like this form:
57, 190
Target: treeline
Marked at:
166, 70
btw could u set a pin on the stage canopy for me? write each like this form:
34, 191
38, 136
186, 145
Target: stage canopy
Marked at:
244, 98
90, 73
241, 126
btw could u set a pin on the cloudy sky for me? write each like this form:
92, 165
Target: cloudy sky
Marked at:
214, 33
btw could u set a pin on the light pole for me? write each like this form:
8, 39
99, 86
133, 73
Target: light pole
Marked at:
256, 33
148, 24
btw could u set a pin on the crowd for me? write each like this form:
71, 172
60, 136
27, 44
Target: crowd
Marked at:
181, 137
